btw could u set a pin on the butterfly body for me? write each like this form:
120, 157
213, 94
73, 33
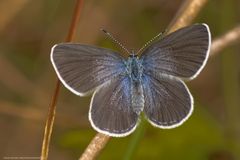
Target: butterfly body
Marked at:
134, 70
123, 88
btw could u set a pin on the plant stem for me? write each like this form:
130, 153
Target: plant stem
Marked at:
52, 107
135, 140
94, 147
184, 16
225, 40
75, 20
49, 123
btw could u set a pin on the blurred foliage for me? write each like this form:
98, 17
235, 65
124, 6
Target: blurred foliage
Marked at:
29, 29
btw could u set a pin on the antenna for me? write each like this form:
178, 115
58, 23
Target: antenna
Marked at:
149, 42
115, 40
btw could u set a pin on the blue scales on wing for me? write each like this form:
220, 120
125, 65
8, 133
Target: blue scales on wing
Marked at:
83, 68
114, 106
111, 110
123, 88
168, 103
179, 55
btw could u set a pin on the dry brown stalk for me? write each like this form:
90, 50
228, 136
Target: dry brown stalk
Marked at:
187, 12
185, 15
52, 107
95, 146
49, 123
225, 40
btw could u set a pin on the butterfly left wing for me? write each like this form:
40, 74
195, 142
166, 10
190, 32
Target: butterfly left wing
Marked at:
111, 110
83, 68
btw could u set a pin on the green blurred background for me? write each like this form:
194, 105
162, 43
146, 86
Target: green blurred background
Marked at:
28, 30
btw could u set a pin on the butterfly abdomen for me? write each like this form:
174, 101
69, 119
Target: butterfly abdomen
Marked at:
137, 97
134, 71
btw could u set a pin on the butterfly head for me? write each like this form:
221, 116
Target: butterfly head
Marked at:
133, 54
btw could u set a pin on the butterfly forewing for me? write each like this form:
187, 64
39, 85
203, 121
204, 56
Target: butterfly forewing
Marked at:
82, 68
182, 53
111, 111
168, 103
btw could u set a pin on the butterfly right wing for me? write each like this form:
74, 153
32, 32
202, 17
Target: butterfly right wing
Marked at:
83, 68
181, 54
168, 102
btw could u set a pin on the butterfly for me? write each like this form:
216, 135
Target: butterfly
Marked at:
123, 88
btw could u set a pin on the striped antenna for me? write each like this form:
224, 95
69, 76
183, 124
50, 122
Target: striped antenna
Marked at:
115, 40
149, 42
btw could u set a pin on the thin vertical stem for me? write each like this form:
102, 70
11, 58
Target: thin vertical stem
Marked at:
188, 11
75, 20
49, 123
135, 140
52, 107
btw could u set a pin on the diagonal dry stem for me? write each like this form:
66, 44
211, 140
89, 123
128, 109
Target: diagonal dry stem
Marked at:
187, 12
225, 40
52, 107
95, 146
185, 15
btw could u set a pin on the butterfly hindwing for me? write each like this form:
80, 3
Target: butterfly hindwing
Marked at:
182, 53
82, 68
168, 103
111, 110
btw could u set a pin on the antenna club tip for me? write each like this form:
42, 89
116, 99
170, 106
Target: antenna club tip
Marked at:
103, 30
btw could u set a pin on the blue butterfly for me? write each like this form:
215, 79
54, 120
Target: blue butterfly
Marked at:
123, 88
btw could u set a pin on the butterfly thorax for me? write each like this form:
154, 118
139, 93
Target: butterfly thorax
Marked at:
134, 68
134, 71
